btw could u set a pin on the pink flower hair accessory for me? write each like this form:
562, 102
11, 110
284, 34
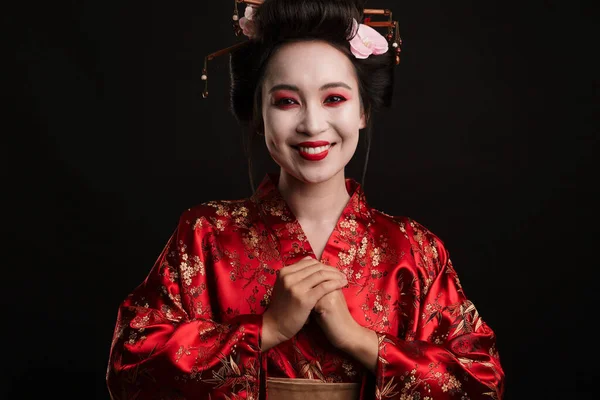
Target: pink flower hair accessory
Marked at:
246, 22
366, 41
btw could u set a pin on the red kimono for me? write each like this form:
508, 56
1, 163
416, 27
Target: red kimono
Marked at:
192, 329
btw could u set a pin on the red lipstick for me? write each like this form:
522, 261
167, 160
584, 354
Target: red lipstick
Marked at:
313, 156
314, 144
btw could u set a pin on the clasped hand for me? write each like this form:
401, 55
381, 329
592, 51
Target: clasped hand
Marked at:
301, 288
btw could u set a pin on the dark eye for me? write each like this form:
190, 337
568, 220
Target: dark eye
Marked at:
335, 99
285, 101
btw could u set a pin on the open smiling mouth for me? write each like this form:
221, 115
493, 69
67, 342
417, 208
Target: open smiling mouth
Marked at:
314, 153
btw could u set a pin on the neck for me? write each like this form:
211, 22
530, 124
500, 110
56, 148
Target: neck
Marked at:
316, 203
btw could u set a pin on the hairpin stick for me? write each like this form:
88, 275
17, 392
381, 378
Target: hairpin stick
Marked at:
380, 24
226, 50
376, 11
210, 57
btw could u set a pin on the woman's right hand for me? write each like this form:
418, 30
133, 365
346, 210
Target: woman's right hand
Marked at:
297, 289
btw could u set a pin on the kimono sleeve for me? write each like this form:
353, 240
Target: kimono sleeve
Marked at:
450, 352
164, 348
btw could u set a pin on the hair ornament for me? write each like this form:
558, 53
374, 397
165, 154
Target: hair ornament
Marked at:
364, 41
246, 22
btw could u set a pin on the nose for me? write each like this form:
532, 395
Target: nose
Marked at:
313, 120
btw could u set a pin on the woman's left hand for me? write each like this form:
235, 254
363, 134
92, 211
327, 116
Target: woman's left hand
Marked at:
343, 332
332, 314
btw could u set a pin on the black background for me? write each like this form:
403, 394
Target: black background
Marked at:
113, 141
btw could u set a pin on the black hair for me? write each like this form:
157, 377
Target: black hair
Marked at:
279, 22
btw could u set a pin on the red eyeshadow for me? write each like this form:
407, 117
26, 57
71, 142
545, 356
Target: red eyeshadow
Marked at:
281, 94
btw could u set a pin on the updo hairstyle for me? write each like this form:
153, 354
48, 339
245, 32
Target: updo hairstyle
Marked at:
279, 22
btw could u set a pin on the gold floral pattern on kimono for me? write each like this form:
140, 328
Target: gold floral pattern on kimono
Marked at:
192, 328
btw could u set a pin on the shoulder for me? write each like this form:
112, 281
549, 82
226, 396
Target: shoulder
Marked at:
217, 215
410, 228
424, 244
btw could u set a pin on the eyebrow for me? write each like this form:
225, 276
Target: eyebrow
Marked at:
296, 89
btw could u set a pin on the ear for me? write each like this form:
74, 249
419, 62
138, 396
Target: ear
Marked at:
363, 120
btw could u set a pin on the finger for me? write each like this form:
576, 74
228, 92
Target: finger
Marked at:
322, 289
303, 263
319, 277
302, 274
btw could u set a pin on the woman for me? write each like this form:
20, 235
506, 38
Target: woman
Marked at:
303, 289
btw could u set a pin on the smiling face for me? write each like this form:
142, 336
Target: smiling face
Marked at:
310, 94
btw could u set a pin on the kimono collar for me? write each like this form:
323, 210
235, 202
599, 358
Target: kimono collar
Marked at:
280, 219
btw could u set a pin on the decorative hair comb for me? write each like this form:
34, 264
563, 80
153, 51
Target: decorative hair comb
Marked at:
366, 40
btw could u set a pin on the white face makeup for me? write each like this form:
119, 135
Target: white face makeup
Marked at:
311, 110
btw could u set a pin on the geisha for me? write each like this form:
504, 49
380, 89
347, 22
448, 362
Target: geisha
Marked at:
303, 289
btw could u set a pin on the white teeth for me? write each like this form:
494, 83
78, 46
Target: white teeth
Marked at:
314, 150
